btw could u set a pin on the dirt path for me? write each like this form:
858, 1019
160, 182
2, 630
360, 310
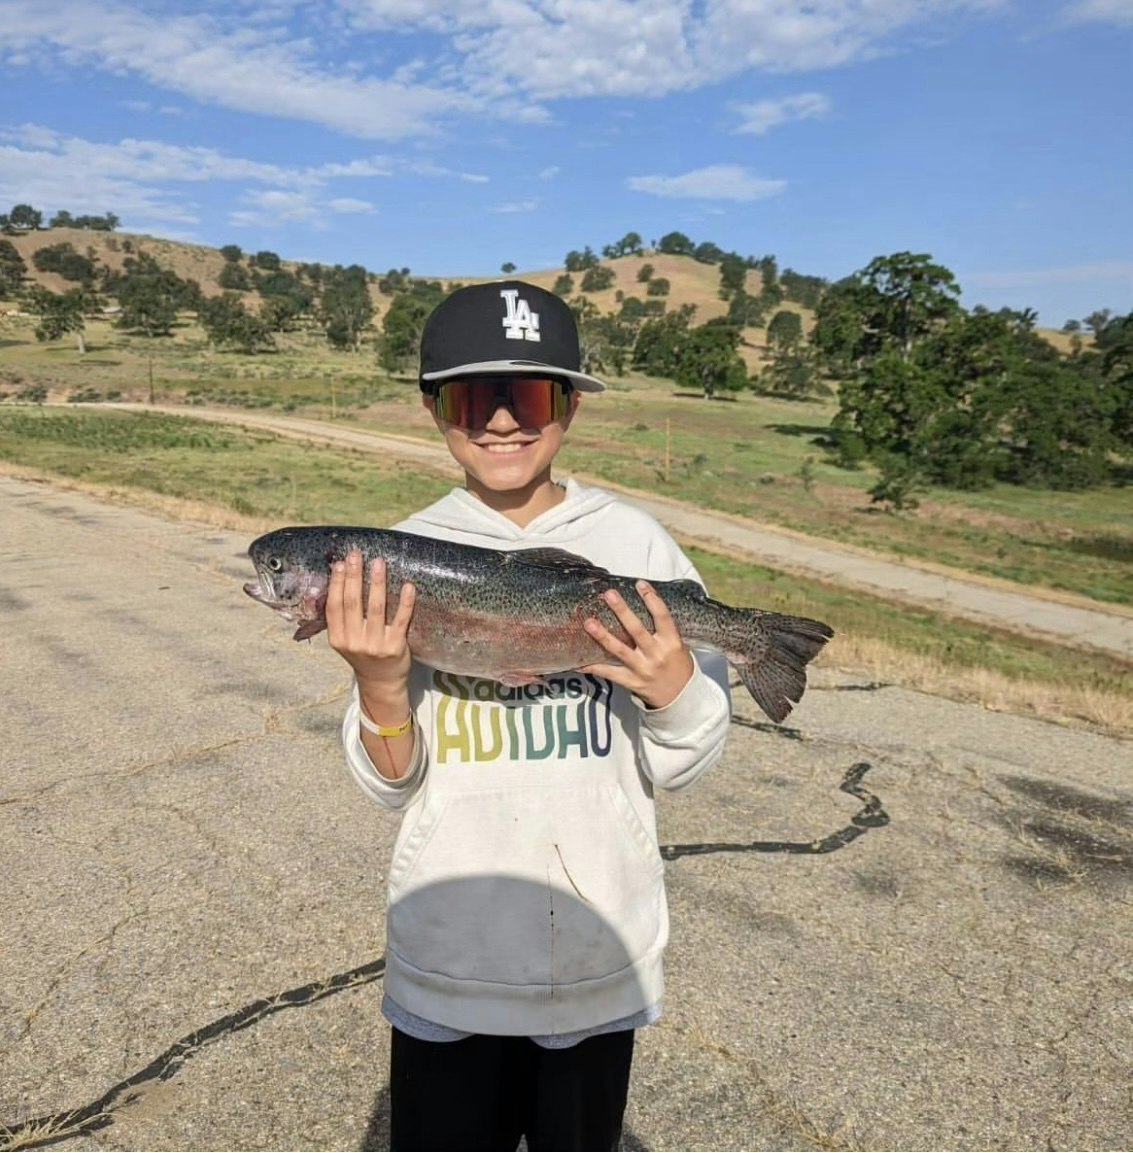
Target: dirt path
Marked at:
1067, 619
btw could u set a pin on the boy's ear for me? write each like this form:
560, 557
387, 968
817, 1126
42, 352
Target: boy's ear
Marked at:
430, 403
575, 401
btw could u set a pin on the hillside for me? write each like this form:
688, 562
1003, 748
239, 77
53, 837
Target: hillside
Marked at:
190, 261
691, 282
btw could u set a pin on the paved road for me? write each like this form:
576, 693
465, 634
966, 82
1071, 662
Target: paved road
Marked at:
1066, 619
899, 922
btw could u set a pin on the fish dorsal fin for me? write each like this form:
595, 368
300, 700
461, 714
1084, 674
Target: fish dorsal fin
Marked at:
560, 561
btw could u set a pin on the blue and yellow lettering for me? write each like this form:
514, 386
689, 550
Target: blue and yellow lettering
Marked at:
533, 753
452, 738
480, 753
598, 708
568, 736
511, 720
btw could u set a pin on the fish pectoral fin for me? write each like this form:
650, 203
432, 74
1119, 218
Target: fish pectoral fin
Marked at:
309, 629
517, 678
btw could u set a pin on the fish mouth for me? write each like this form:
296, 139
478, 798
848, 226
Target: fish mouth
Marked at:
293, 597
263, 590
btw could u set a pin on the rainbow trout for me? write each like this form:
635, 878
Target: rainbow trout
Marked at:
517, 617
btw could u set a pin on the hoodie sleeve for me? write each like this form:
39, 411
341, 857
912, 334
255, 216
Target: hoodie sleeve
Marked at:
395, 795
686, 737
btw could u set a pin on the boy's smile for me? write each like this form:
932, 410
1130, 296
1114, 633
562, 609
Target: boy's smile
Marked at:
507, 466
498, 448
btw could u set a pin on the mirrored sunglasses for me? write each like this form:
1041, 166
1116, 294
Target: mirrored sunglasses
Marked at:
471, 401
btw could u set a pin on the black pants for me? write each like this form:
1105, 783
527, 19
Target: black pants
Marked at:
488, 1092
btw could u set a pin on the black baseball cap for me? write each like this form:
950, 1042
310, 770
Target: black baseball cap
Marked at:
507, 327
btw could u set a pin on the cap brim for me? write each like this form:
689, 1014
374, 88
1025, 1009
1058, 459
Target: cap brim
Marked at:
579, 380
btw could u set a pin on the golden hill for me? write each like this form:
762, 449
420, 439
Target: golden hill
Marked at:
691, 282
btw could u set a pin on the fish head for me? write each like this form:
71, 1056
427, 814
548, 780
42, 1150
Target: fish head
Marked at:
289, 583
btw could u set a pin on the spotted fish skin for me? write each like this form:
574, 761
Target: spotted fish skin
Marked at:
518, 616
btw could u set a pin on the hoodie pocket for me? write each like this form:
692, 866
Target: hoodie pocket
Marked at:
528, 887
412, 841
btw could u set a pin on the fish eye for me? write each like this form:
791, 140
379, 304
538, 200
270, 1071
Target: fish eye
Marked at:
275, 564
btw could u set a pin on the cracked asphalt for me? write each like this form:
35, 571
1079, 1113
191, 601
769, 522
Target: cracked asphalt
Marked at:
934, 956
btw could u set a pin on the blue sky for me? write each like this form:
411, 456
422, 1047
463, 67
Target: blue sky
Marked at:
450, 136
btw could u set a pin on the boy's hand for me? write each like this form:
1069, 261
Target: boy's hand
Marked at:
378, 652
658, 665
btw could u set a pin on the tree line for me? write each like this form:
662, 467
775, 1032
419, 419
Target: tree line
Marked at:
934, 394
927, 391
25, 218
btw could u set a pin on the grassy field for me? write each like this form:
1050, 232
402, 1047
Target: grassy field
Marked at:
765, 459
253, 480
255, 475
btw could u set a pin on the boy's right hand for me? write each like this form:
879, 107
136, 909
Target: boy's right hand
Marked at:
377, 651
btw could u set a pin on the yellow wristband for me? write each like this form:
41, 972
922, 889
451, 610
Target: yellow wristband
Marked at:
384, 730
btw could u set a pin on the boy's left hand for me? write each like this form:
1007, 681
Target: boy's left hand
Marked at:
658, 665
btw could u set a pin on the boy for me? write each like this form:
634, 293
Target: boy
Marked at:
526, 918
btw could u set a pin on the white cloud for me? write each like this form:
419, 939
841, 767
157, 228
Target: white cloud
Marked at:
397, 69
792, 37
51, 161
516, 206
1101, 11
41, 167
273, 205
143, 179
550, 172
429, 168
248, 67
363, 167
550, 49
764, 115
716, 182
349, 204
556, 49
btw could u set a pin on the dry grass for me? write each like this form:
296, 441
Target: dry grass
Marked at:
198, 512
47, 1131
194, 261
1067, 704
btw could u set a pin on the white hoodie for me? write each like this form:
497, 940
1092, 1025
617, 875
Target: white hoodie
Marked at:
526, 890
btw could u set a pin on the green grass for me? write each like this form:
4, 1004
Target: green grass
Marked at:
954, 643
757, 457
252, 474
767, 460
281, 480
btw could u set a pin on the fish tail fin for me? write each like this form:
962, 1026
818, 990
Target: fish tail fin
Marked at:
771, 654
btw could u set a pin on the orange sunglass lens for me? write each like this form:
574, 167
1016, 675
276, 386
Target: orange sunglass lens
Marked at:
471, 403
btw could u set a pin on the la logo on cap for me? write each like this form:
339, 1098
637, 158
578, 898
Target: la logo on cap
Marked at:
520, 323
